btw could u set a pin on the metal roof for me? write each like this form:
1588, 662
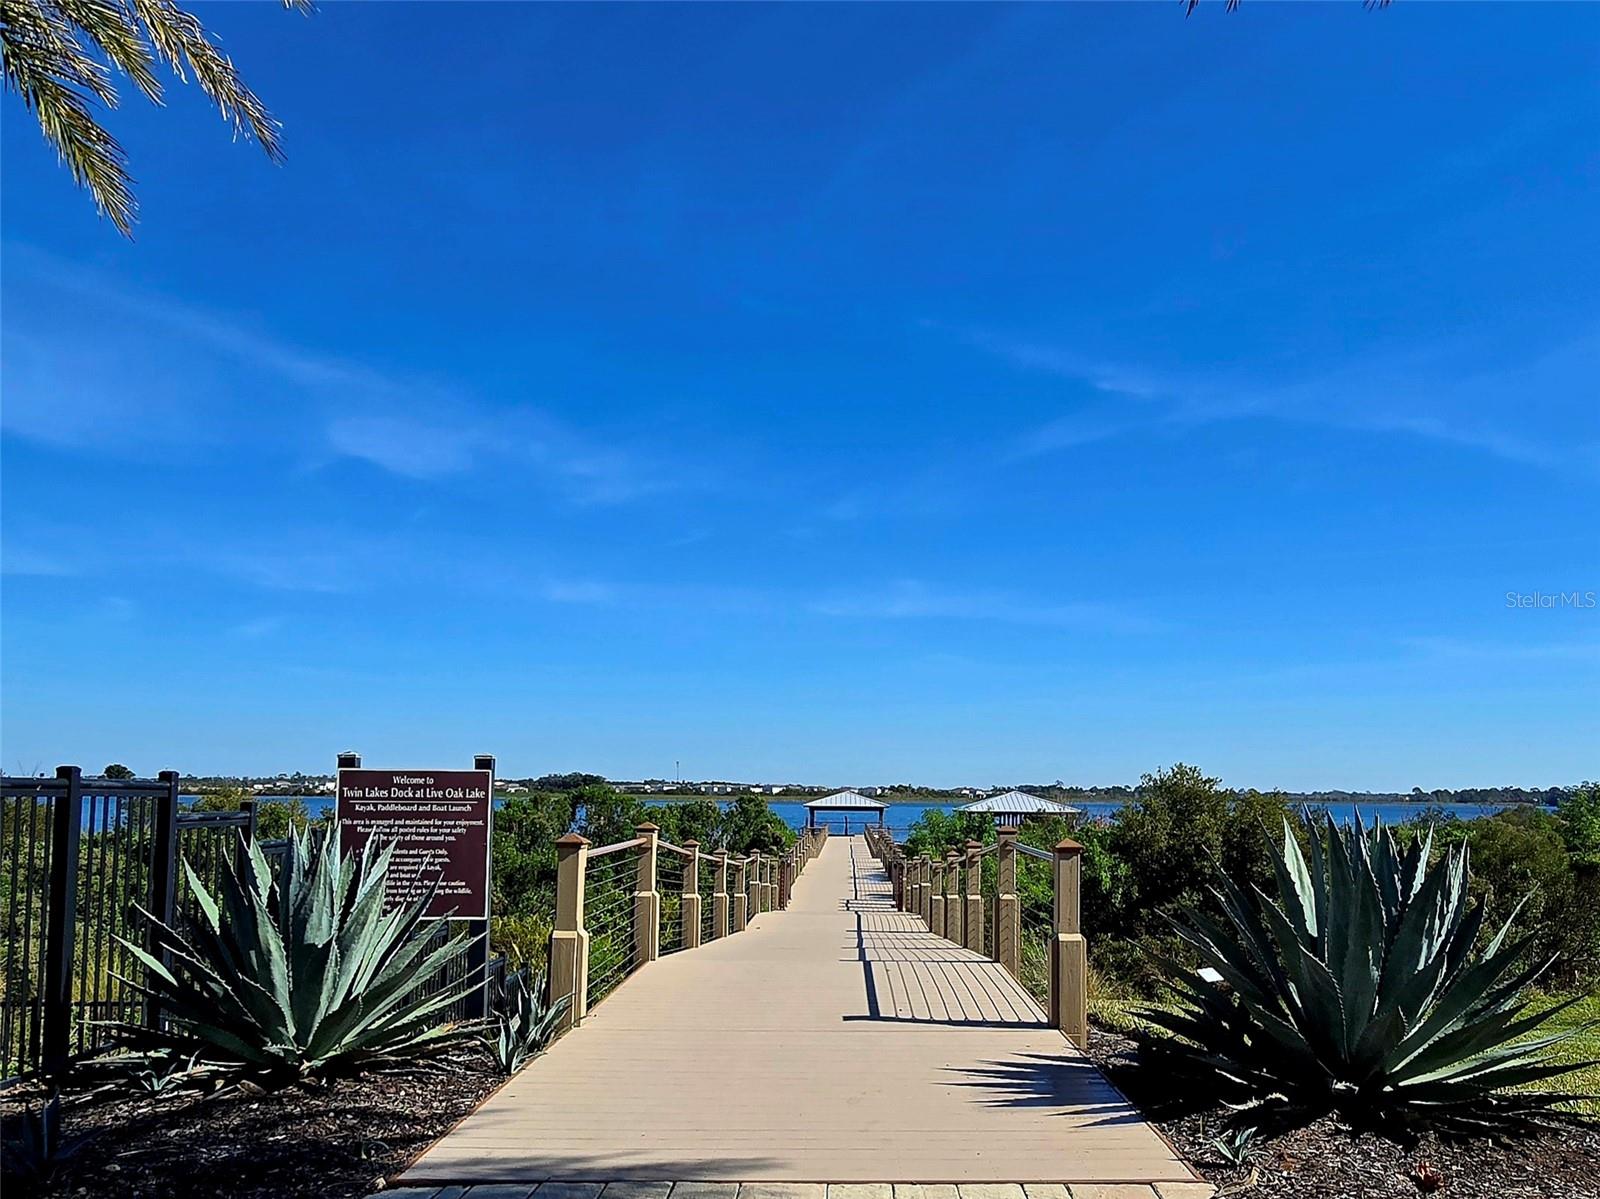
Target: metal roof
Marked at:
847, 800
1019, 803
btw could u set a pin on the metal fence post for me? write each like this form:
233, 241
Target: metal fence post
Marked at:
163, 876
475, 1003
646, 900
569, 941
1069, 956
61, 929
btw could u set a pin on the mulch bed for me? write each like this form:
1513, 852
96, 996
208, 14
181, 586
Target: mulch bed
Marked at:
338, 1144
1327, 1160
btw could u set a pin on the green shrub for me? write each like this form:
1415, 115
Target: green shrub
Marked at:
748, 823
1579, 812
1360, 990
1519, 857
298, 975
692, 820
1179, 823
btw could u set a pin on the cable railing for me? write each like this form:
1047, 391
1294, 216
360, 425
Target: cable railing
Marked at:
1013, 903
622, 906
609, 903
1036, 904
672, 866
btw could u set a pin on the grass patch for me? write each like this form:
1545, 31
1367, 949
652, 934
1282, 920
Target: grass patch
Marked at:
1111, 1007
1584, 1047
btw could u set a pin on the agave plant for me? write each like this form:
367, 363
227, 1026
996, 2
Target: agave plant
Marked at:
36, 1148
1358, 989
525, 1023
298, 974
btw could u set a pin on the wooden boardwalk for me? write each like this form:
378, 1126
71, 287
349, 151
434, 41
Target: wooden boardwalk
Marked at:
837, 1041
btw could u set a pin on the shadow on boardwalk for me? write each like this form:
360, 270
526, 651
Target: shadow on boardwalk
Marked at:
836, 1041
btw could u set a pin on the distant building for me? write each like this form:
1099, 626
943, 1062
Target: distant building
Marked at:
1013, 807
844, 801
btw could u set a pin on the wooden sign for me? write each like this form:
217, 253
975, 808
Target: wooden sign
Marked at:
439, 821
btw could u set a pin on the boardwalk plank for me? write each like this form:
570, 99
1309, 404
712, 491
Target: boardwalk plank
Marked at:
837, 1041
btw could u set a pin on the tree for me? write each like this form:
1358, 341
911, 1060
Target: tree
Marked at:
55, 58
1579, 812
117, 771
748, 823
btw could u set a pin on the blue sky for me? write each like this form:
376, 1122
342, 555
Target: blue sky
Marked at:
856, 394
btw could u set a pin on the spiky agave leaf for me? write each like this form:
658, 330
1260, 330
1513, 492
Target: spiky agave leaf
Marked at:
526, 1020
1358, 987
297, 973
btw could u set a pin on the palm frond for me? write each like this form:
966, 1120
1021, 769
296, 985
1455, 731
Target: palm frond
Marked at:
56, 55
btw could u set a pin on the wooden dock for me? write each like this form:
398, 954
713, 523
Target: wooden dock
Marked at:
837, 1041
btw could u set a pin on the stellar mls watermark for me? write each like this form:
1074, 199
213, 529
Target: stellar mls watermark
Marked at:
1552, 599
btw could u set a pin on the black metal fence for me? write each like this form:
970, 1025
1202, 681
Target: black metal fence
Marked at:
79, 858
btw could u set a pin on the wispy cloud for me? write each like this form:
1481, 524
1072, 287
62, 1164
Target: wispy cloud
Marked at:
579, 591
255, 630
403, 446
913, 600
21, 560
1464, 650
171, 374
1538, 412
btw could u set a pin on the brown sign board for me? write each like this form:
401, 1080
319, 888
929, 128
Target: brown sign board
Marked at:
439, 822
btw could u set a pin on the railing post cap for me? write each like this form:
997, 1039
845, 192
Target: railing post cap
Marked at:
647, 827
691, 843
1007, 831
1067, 846
168, 776
723, 852
571, 841
67, 772
950, 855
974, 844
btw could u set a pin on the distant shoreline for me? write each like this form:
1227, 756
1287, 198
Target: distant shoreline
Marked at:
932, 799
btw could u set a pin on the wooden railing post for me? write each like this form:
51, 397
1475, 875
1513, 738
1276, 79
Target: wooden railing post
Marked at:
719, 897
569, 941
897, 879
974, 904
758, 885
952, 897
689, 912
741, 895
1007, 907
936, 900
646, 899
1069, 952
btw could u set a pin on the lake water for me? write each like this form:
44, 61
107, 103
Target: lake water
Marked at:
902, 816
